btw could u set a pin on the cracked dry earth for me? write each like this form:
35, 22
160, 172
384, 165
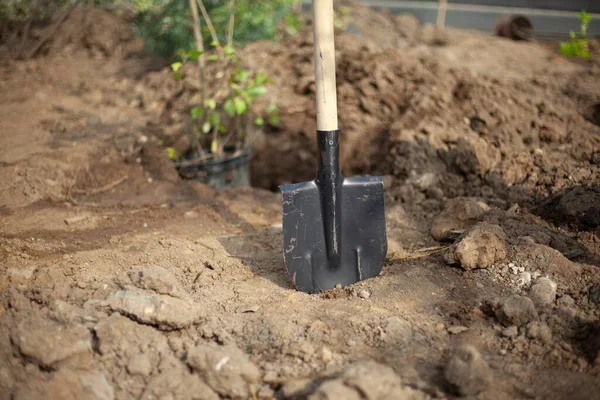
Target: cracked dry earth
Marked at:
120, 281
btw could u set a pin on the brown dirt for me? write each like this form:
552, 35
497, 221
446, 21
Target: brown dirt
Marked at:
118, 280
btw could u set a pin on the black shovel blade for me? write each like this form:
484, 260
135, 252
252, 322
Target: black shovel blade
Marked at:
360, 228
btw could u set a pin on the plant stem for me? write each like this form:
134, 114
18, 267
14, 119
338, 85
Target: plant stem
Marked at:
211, 28
441, 17
231, 22
201, 63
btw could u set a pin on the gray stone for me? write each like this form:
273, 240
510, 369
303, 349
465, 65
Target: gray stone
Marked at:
543, 292
516, 310
468, 372
226, 369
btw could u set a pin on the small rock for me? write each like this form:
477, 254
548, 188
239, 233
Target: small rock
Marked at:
594, 295
76, 219
191, 214
474, 156
566, 301
480, 247
398, 331
468, 372
374, 381
543, 292
510, 332
435, 193
516, 310
538, 330
364, 294
527, 240
165, 312
423, 181
325, 355
47, 343
226, 369
524, 280
455, 330
139, 365
333, 390
460, 214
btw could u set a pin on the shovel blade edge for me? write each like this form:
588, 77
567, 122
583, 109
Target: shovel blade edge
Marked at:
363, 239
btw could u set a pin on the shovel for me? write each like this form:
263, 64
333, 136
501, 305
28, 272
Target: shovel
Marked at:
333, 227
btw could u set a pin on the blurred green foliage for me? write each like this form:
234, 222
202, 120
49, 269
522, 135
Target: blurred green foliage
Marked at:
167, 26
578, 46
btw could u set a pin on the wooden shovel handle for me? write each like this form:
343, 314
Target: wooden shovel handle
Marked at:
325, 65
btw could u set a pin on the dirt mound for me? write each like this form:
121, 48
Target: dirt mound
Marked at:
96, 31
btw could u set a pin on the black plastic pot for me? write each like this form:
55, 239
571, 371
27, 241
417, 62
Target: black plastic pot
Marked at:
230, 171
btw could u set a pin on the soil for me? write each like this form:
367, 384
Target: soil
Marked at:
118, 280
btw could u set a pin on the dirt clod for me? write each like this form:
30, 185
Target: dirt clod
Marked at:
139, 365
479, 247
154, 278
163, 311
543, 292
460, 215
48, 343
516, 310
467, 372
510, 332
226, 369
539, 330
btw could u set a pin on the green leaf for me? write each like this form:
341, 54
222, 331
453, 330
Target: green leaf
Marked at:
197, 112
222, 128
257, 91
229, 108
261, 78
194, 54
259, 121
272, 108
229, 50
585, 17
215, 119
240, 106
210, 103
178, 76
176, 66
274, 120
170, 153
213, 57
241, 75
182, 53
206, 127
214, 43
